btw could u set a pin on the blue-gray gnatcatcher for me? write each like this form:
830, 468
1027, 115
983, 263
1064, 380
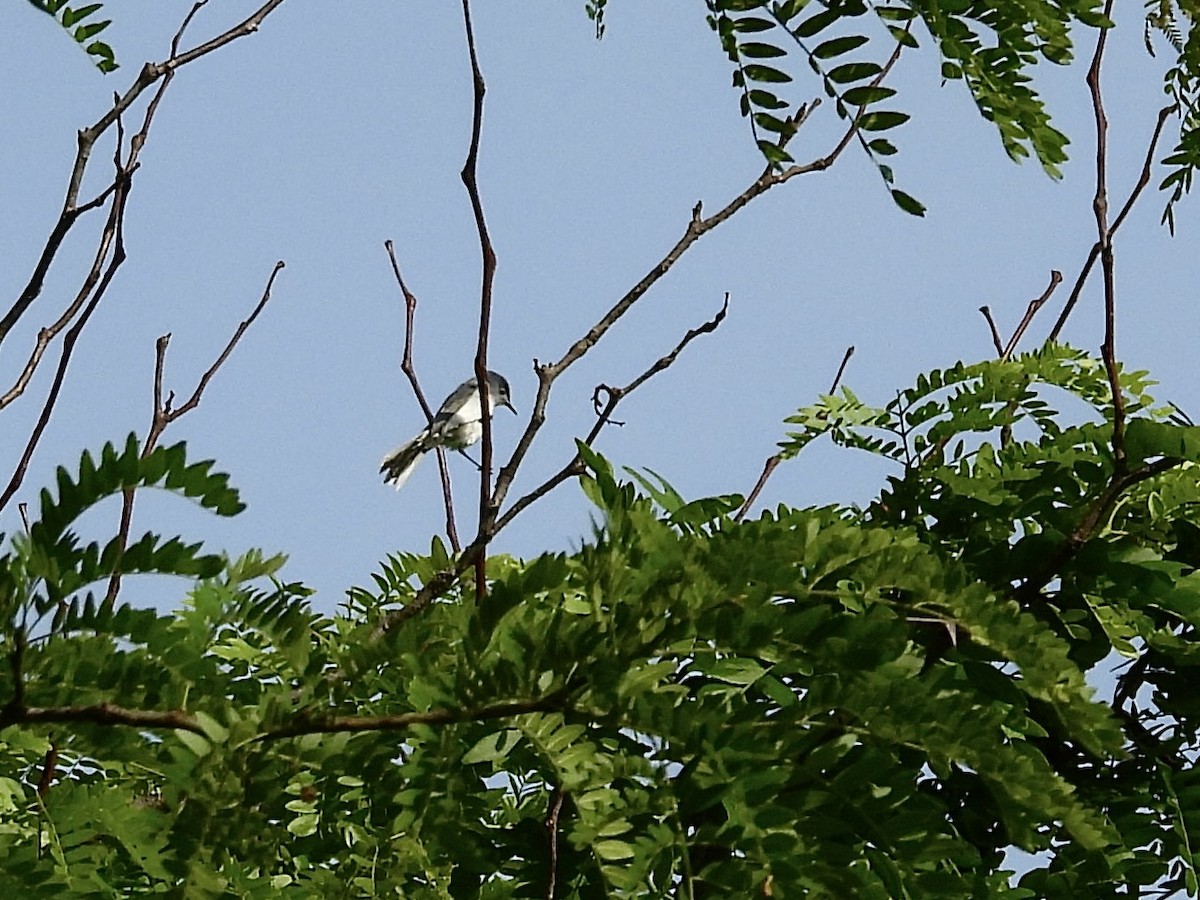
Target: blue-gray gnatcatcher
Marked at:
457, 425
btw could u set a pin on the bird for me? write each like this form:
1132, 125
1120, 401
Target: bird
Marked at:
457, 425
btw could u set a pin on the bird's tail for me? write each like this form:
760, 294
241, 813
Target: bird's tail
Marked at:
398, 465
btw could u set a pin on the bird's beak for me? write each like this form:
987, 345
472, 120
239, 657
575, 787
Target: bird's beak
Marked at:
510, 406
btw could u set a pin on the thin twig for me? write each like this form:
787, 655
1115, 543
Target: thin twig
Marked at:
769, 466
837, 379
87, 137
773, 461
1094, 253
164, 415
410, 372
997, 341
604, 411
1031, 311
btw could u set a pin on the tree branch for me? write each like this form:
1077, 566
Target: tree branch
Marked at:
554, 809
1031, 311
1108, 349
100, 714
548, 373
773, 461
471, 182
164, 415
410, 371
1094, 253
86, 141
1090, 522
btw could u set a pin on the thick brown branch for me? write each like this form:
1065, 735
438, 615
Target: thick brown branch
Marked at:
100, 714
470, 180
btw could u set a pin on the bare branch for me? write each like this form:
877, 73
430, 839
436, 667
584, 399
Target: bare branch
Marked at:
696, 228
1094, 253
87, 137
1031, 311
604, 413
410, 371
164, 415
769, 466
775, 459
547, 373
68, 345
837, 379
470, 180
1108, 350
997, 341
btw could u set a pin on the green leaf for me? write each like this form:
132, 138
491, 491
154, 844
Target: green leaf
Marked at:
881, 120
1148, 439
839, 46
866, 94
759, 72
907, 203
849, 72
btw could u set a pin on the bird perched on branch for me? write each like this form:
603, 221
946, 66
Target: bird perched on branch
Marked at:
457, 425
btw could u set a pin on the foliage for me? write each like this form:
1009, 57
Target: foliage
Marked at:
840, 701
73, 20
993, 47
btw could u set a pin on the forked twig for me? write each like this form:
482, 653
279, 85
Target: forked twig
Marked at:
1032, 310
1094, 253
164, 415
72, 209
410, 372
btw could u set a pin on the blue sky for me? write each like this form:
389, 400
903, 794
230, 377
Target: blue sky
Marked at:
338, 126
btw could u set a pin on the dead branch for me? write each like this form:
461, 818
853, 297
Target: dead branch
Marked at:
164, 415
410, 371
471, 182
1031, 311
72, 210
1094, 253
